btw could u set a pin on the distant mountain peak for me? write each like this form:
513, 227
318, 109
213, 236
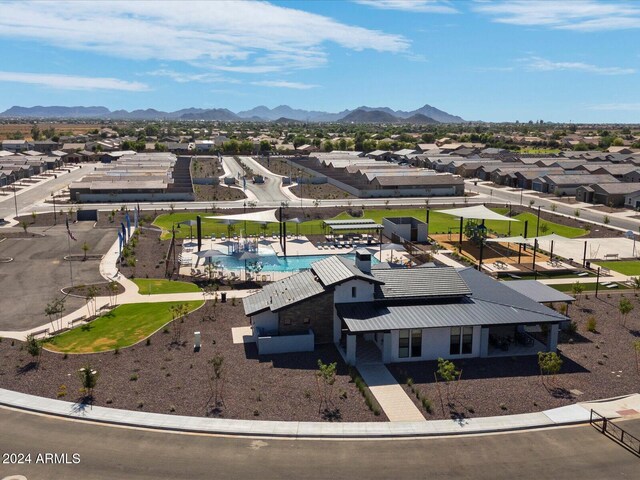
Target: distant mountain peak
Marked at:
424, 114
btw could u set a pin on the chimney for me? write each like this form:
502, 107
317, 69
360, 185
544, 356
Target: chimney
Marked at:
363, 261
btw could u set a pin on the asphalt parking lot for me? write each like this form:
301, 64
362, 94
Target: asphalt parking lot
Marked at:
38, 272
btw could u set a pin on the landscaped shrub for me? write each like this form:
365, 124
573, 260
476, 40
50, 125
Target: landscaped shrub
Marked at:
361, 385
591, 324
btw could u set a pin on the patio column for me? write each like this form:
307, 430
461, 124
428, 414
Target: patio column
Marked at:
387, 355
351, 349
552, 338
484, 342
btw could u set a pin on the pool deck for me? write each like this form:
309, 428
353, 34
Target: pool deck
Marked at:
296, 246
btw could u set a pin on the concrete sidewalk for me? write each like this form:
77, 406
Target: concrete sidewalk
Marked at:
569, 415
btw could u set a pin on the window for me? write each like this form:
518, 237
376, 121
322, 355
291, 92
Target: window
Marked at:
403, 344
410, 343
416, 343
467, 339
461, 341
353, 292
454, 346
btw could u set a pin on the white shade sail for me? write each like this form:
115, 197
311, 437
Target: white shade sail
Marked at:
477, 212
264, 216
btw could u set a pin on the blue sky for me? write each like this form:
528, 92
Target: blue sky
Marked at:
576, 60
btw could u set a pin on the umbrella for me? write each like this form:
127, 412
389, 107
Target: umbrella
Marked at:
191, 223
390, 246
297, 221
209, 254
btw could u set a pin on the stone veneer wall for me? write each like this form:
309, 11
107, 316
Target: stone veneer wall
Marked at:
319, 311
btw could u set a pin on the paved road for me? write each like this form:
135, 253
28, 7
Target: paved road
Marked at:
269, 191
112, 452
497, 195
41, 192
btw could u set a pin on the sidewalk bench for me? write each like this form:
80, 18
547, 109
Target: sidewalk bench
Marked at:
44, 331
611, 256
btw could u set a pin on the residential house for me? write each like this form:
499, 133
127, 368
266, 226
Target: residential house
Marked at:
612, 194
567, 184
15, 146
446, 313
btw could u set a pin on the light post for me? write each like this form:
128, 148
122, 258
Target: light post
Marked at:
509, 234
15, 198
521, 191
53, 196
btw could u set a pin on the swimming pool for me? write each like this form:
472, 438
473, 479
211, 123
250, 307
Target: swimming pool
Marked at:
272, 263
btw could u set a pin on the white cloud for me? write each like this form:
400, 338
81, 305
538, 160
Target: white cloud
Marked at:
235, 36
284, 84
618, 107
72, 82
544, 65
580, 15
183, 77
430, 6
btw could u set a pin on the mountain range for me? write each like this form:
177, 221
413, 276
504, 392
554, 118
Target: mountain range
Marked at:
423, 115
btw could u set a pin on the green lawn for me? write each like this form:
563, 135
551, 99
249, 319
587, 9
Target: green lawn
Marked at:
629, 267
123, 326
438, 223
154, 286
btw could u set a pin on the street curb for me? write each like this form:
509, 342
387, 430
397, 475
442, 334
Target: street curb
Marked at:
275, 429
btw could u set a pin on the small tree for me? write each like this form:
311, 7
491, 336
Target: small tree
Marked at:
24, 225
325, 378
448, 373
636, 348
216, 380
90, 299
606, 220
577, 288
624, 307
88, 379
550, 364
554, 207
113, 292
635, 283
544, 228
576, 212
177, 313
34, 348
85, 249
54, 310
34, 215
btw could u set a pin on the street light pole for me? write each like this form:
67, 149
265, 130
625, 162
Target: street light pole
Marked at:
54, 208
15, 198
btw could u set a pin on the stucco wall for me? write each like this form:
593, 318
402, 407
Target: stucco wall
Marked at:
364, 292
286, 343
435, 344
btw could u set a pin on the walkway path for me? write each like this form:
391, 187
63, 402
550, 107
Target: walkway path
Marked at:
392, 398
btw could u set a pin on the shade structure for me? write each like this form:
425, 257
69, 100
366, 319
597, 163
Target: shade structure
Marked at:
264, 216
208, 254
390, 246
519, 240
477, 212
191, 223
248, 256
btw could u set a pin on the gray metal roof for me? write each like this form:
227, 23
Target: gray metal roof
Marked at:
487, 289
362, 317
538, 292
356, 226
282, 293
351, 221
335, 269
436, 282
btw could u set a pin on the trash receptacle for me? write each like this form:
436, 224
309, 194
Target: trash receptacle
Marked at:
223, 297
588, 265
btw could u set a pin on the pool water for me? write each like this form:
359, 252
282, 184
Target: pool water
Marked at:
272, 263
